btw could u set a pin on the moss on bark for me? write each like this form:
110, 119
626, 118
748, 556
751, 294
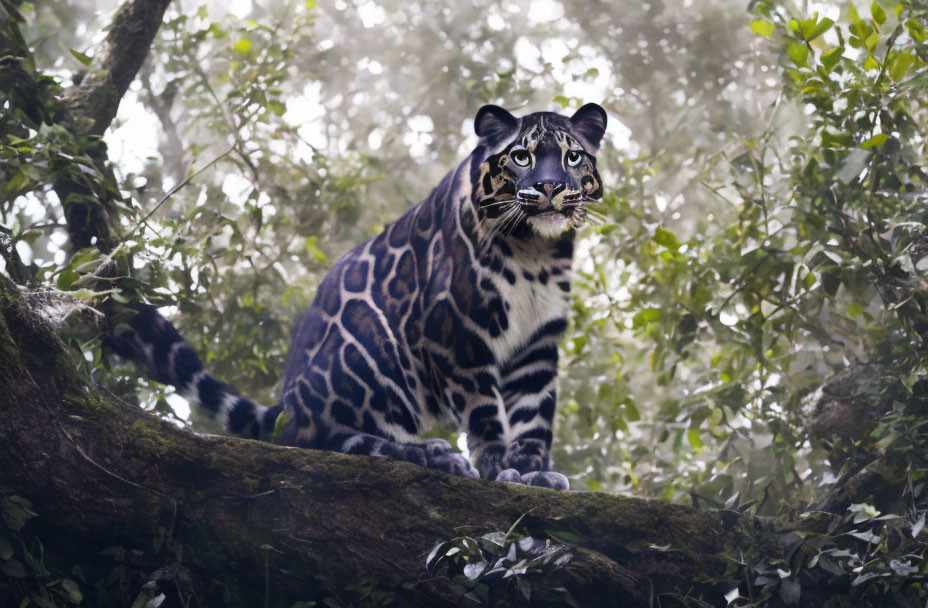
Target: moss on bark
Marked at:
240, 518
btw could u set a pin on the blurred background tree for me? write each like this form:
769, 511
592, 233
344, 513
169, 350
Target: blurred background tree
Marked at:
763, 228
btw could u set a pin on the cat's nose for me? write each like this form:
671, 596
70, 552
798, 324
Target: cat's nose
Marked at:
549, 188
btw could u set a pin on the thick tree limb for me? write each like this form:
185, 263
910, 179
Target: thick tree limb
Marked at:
239, 516
92, 105
86, 110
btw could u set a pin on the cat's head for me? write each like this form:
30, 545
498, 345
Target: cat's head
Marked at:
539, 172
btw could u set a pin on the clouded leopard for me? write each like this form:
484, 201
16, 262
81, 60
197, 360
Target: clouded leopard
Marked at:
452, 313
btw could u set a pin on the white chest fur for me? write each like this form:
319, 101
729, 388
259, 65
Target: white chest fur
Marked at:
537, 297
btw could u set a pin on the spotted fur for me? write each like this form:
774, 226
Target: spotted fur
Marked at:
452, 313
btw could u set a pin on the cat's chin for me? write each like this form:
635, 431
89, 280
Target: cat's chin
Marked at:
549, 225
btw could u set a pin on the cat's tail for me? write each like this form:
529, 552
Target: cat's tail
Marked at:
154, 343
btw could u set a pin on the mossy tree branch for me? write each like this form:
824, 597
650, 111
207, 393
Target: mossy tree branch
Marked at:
238, 517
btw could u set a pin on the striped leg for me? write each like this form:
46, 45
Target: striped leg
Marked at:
529, 391
487, 431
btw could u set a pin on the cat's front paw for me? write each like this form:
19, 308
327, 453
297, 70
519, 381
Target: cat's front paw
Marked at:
509, 476
546, 479
542, 479
439, 455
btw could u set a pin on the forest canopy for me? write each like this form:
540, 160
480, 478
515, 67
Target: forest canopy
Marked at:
749, 319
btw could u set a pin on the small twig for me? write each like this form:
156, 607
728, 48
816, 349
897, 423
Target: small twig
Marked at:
186, 181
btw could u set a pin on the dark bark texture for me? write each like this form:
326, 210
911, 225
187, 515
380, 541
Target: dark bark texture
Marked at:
92, 105
235, 519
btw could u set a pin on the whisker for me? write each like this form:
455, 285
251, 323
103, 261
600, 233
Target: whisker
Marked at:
511, 220
592, 219
506, 219
599, 216
507, 201
494, 228
517, 219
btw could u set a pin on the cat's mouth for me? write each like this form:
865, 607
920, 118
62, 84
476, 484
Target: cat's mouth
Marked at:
546, 218
536, 202
553, 223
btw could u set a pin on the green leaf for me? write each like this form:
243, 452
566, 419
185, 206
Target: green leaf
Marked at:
832, 56
632, 414
81, 57
560, 99
279, 424
901, 63
855, 309
310, 4
67, 278
875, 142
648, 315
916, 30
277, 108
798, 52
863, 512
764, 28
853, 17
567, 537
918, 526
313, 250
16, 510
16, 184
879, 15
243, 46
668, 239
812, 29
13, 568
74, 592
692, 435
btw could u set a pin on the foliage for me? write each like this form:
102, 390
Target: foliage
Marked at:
24, 578
861, 558
858, 223
503, 568
363, 592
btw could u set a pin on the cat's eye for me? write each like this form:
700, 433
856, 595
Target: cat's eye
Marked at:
521, 157
573, 158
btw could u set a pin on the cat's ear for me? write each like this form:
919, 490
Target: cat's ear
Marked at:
493, 122
589, 122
